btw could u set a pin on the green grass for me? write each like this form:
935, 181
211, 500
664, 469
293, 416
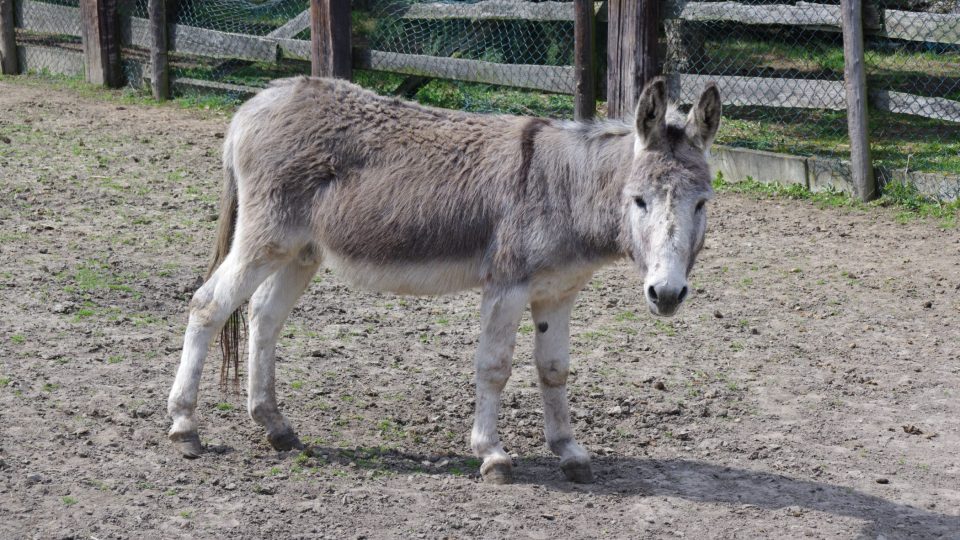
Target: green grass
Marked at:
223, 406
69, 501
909, 202
18, 338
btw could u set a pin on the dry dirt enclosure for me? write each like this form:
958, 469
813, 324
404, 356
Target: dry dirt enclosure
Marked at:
809, 388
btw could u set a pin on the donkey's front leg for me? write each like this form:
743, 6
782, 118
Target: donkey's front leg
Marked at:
500, 312
552, 355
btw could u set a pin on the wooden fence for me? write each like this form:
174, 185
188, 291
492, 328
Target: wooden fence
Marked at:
631, 57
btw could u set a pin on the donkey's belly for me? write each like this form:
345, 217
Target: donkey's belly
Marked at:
423, 278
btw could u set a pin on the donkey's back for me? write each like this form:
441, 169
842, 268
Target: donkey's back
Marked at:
380, 186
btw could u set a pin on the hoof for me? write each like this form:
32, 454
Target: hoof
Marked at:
578, 472
497, 472
188, 444
285, 440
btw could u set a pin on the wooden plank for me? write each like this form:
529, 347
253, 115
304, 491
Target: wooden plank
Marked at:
48, 18
632, 52
205, 42
36, 58
584, 61
294, 48
855, 81
557, 79
492, 10
927, 107
801, 14
292, 27
160, 85
761, 91
52, 19
100, 33
8, 40
200, 84
914, 26
330, 54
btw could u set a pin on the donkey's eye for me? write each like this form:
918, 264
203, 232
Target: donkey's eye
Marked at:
700, 206
641, 204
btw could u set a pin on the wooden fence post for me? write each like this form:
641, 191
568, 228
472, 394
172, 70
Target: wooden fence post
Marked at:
632, 28
330, 38
585, 66
8, 40
100, 32
159, 70
854, 76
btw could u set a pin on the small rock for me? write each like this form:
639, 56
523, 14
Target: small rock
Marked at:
615, 411
660, 386
928, 304
717, 314
911, 429
883, 481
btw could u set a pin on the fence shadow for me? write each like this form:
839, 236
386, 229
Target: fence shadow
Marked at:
692, 480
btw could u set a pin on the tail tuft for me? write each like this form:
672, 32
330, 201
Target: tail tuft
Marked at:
231, 336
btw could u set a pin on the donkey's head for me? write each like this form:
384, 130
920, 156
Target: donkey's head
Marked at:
665, 197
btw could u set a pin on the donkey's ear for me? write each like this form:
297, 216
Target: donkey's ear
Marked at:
704, 118
651, 111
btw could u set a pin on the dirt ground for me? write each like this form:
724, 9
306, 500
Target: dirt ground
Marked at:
809, 388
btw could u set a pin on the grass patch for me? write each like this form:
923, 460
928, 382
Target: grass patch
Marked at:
68, 500
18, 338
224, 406
905, 198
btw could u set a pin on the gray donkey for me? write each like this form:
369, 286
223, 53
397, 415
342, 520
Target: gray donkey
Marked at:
394, 196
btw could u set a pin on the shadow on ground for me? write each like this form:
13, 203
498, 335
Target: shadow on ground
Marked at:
695, 481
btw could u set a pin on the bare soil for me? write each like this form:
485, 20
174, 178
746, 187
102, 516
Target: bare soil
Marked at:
808, 388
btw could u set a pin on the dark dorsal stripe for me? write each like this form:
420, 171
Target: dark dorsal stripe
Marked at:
527, 136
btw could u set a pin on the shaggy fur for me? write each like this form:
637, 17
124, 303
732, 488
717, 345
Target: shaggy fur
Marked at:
399, 197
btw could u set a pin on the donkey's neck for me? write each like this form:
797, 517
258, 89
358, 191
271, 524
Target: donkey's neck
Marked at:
591, 163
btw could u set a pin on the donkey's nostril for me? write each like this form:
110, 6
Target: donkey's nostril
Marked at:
652, 294
683, 294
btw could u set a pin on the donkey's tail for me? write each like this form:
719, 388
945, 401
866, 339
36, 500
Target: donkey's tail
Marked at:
231, 334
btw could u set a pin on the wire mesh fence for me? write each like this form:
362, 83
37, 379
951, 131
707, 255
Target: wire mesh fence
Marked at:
779, 69
53, 29
779, 65
525, 49
913, 73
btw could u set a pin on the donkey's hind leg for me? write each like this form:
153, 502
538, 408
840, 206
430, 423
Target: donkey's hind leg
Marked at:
230, 285
552, 355
269, 308
500, 313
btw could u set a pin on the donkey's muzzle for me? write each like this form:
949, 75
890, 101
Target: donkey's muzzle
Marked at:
664, 299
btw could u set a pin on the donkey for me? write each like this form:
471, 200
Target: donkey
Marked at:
398, 197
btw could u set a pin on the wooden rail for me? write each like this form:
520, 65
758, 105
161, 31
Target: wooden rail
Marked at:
558, 79
906, 25
63, 20
761, 91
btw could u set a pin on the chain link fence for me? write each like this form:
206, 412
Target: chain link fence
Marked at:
913, 74
779, 65
513, 57
779, 70
52, 28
